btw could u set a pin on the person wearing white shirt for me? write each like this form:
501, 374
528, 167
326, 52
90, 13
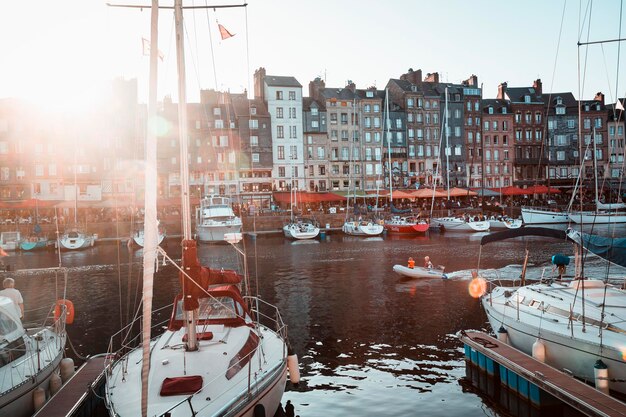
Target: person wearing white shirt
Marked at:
15, 295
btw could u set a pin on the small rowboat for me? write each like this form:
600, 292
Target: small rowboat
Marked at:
419, 272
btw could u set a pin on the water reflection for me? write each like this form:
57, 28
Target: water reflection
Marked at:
369, 344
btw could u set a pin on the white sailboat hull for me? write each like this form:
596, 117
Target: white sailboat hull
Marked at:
76, 241
228, 397
21, 377
567, 345
589, 217
459, 225
504, 224
138, 238
362, 228
537, 216
296, 231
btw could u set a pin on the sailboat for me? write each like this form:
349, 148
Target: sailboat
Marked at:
574, 325
609, 213
299, 228
456, 224
215, 357
397, 224
358, 226
30, 357
74, 238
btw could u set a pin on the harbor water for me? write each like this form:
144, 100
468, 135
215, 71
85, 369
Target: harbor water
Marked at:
369, 342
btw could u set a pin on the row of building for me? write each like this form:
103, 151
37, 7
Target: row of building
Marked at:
417, 131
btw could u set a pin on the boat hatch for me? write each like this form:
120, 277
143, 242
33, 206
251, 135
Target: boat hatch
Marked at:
72, 235
535, 304
219, 309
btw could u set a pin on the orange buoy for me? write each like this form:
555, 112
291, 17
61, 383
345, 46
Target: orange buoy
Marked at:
477, 287
69, 310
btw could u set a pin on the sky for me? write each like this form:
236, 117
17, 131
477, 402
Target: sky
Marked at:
65, 51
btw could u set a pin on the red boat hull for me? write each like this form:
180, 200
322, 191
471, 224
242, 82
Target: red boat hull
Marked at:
407, 229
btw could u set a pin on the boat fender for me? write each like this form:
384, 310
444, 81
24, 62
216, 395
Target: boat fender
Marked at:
55, 383
503, 335
293, 368
601, 376
560, 260
444, 276
69, 311
539, 350
39, 398
67, 369
259, 410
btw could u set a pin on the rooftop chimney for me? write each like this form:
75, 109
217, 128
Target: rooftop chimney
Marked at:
472, 81
259, 79
599, 97
432, 78
315, 86
537, 86
502, 90
414, 77
351, 86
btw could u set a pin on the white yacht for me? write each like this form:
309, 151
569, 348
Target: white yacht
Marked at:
362, 228
28, 358
543, 216
214, 218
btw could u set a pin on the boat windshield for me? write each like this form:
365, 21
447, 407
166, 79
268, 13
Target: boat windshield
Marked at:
7, 324
214, 308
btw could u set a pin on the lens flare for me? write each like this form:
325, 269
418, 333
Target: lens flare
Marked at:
477, 287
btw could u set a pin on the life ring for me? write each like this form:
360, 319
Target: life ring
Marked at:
58, 309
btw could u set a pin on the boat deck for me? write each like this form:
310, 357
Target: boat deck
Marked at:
566, 388
75, 391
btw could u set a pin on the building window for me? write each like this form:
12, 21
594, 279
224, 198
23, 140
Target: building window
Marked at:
279, 112
293, 150
254, 124
279, 95
292, 95
560, 155
280, 132
281, 152
293, 132
281, 172
254, 141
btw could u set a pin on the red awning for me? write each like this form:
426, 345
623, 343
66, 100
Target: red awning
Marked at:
513, 190
427, 193
304, 197
460, 192
542, 189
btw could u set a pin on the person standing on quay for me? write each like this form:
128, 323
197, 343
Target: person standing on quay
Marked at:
15, 295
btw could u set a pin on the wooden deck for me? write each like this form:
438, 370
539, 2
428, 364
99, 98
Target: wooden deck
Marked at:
74, 391
566, 388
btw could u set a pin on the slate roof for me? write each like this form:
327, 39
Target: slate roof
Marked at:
497, 105
280, 81
516, 94
567, 98
308, 101
337, 93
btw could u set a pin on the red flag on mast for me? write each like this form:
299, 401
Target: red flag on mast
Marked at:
224, 33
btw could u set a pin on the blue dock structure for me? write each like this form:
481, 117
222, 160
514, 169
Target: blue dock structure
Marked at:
534, 380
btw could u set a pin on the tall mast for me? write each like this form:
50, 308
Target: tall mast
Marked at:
387, 136
150, 216
447, 148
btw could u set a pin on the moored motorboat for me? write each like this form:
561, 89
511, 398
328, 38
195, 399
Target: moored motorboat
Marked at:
599, 217
419, 272
214, 218
34, 243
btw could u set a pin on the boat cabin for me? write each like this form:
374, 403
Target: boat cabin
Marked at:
222, 305
11, 332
